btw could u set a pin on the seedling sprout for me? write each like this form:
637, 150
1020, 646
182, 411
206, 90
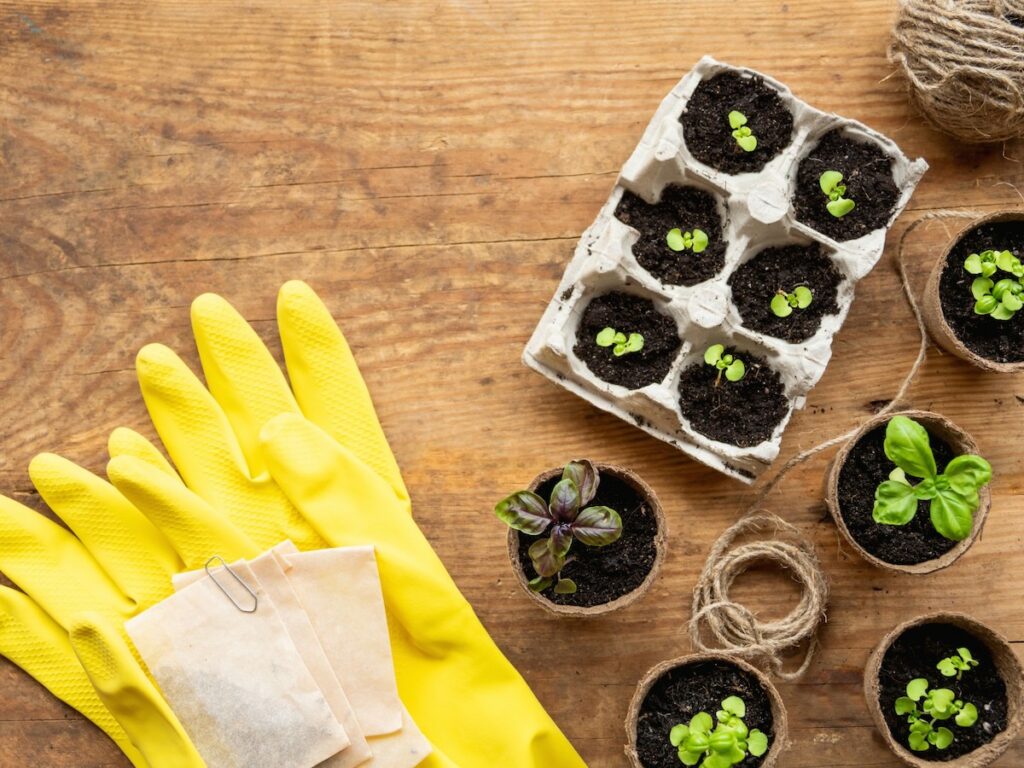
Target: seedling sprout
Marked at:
718, 745
784, 303
745, 138
832, 185
1000, 299
620, 343
679, 241
729, 365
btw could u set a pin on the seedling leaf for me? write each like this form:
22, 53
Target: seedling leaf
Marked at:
829, 181
737, 119
757, 743
606, 337
677, 734
674, 239
907, 445
734, 706
525, 511
714, 354
804, 297
585, 475
780, 306
917, 688
565, 587
953, 515
700, 241
839, 208
895, 503
597, 526
736, 370
967, 716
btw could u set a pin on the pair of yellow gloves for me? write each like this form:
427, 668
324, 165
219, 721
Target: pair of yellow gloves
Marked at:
257, 462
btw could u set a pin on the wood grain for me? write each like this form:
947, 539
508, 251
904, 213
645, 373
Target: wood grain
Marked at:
427, 166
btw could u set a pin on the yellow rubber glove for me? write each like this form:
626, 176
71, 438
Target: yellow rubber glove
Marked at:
66, 628
229, 444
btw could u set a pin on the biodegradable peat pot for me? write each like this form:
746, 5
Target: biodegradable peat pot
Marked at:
645, 539
946, 632
862, 450
652, 714
992, 345
760, 213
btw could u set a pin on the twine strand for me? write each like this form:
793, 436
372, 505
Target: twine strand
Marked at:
734, 627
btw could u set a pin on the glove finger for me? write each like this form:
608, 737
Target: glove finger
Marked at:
130, 695
350, 505
241, 373
327, 382
128, 442
132, 551
41, 647
53, 567
192, 426
195, 529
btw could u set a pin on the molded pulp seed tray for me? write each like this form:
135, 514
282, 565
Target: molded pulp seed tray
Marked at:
757, 212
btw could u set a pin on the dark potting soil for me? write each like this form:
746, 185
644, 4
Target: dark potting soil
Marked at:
743, 412
998, 340
756, 283
866, 467
627, 314
914, 654
706, 122
685, 208
867, 174
699, 687
603, 574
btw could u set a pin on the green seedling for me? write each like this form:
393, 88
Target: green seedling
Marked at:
925, 708
728, 365
678, 241
1000, 299
784, 303
832, 185
719, 745
952, 495
563, 517
955, 666
620, 343
745, 138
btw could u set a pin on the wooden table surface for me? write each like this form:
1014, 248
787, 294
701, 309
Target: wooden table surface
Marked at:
427, 167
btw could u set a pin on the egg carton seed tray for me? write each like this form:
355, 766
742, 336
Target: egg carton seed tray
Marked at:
756, 213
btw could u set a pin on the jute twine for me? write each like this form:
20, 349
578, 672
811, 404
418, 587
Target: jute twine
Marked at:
963, 62
732, 626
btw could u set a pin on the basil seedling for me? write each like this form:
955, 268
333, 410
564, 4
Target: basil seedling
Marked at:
955, 666
831, 183
926, 707
1000, 299
620, 343
696, 241
729, 365
952, 495
564, 517
745, 138
722, 745
784, 303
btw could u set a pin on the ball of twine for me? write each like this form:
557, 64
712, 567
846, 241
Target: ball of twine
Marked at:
734, 627
963, 61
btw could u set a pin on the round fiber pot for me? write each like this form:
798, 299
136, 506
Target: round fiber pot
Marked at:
779, 725
959, 441
1006, 665
654, 519
934, 315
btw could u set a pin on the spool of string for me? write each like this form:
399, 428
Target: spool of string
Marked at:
963, 62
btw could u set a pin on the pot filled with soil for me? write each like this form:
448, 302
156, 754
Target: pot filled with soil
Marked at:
944, 688
623, 339
785, 291
732, 396
845, 187
707, 706
586, 539
974, 300
909, 491
736, 123
681, 236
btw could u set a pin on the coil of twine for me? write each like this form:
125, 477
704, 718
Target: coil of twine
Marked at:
734, 627
963, 61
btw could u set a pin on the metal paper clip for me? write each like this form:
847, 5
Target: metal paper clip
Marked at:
236, 577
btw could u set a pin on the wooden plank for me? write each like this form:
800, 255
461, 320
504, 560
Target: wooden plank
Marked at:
427, 166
